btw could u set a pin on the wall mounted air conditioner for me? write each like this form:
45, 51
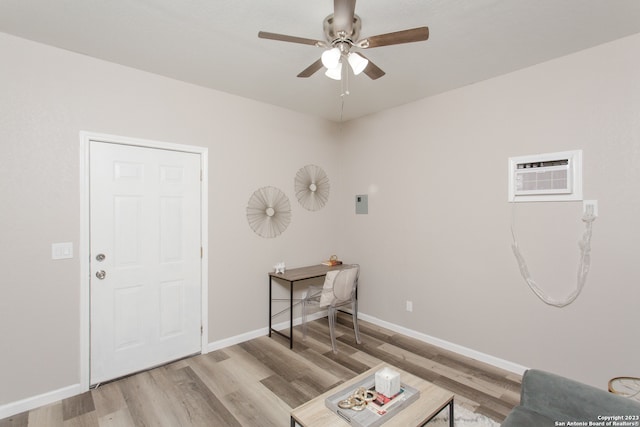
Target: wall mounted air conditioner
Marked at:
546, 177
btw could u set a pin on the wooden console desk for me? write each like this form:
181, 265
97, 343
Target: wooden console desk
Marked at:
292, 276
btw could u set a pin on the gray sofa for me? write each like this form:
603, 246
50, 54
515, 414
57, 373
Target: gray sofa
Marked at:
551, 400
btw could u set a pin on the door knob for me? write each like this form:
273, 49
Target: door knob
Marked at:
100, 257
101, 274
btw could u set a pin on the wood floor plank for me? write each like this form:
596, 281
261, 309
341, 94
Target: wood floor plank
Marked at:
145, 402
487, 402
194, 403
289, 365
246, 370
340, 366
366, 359
218, 355
368, 329
241, 358
77, 405
258, 382
18, 420
293, 395
254, 405
216, 376
414, 346
86, 419
474, 382
374, 348
46, 416
316, 339
119, 418
108, 398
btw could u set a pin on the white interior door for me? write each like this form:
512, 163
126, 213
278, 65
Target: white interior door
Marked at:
145, 258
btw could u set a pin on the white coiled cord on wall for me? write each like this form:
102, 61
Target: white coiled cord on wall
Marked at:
583, 266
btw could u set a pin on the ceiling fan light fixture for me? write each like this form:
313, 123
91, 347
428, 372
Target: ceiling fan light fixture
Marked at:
357, 62
331, 58
335, 73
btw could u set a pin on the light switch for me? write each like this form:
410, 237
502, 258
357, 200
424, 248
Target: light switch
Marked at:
62, 250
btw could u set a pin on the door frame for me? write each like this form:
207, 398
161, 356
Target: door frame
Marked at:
85, 234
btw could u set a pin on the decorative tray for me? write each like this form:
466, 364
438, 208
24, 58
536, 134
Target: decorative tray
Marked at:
376, 412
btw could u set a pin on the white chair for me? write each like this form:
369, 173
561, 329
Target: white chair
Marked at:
340, 287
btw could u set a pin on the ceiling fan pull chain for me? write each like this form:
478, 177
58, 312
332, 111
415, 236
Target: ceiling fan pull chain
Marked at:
345, 73
343, 81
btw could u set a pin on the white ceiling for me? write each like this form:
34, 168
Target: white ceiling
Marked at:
214, 43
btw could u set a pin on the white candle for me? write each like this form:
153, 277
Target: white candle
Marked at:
387, 382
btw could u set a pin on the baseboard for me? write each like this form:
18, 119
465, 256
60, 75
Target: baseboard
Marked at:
237, 339
33, 402
73, 390
465, 351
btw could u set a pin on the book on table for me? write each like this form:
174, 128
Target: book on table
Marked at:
376, 412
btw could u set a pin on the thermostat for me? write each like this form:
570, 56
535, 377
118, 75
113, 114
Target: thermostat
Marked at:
362, 204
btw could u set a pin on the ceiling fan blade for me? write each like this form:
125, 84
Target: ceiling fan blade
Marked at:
311, 69
291, 39
372, 70
343, 14
405, 36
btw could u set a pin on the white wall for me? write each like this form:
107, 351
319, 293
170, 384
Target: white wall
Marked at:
48, 97
437, 232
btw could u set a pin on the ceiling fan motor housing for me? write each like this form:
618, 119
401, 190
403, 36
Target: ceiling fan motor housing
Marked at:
334, 38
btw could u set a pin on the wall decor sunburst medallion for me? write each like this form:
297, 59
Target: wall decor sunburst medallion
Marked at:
268, 212
312, 187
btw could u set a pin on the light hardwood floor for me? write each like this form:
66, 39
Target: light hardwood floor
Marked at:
258, 382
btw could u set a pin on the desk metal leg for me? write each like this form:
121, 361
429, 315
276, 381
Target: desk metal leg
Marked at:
271, 330
451, 413
290, 315
270, 303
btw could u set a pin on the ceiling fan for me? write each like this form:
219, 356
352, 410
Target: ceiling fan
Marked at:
342, 32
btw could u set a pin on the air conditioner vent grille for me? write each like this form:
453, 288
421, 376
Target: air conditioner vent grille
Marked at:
546, 177
543, 182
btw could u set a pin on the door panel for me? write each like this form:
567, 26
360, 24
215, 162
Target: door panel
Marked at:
171, 307
145, 219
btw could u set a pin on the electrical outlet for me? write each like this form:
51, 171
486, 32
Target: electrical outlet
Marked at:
592, 203
409, 306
